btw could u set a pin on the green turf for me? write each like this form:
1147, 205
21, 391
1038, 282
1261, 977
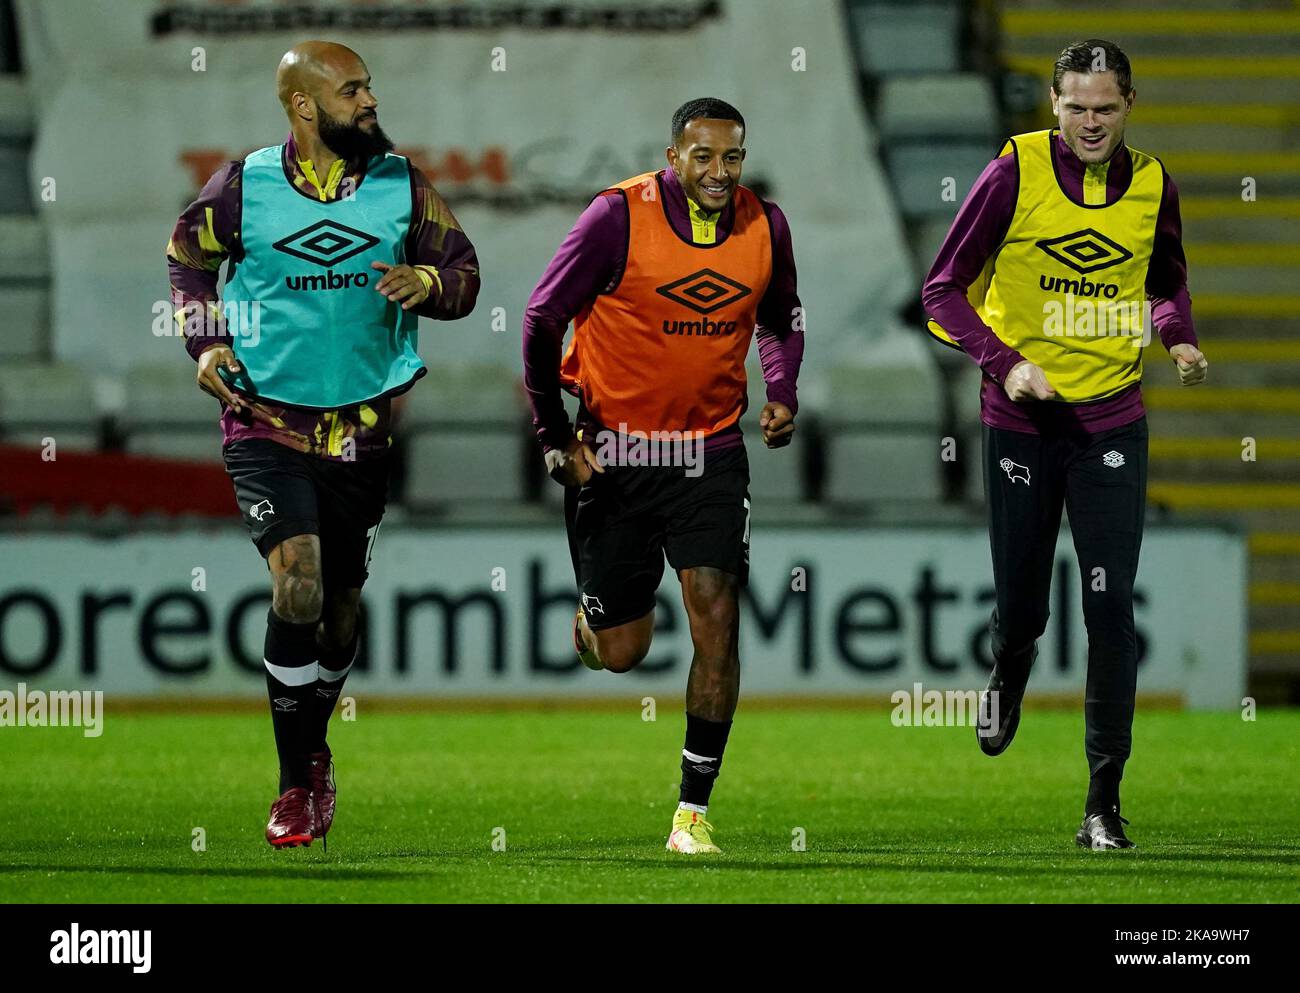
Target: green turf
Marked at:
890, 814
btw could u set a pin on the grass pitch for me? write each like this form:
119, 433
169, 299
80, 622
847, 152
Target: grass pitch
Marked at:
585, 798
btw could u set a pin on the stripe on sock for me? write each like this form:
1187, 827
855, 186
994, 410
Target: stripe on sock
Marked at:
333, 675
329, 675
292, 675
697, 758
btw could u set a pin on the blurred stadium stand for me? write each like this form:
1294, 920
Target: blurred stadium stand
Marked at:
941, 83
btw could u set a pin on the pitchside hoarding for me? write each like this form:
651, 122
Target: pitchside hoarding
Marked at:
469, 613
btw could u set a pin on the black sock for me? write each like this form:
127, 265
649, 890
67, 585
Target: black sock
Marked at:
702, 758
330, 674
291, 687
1103, 790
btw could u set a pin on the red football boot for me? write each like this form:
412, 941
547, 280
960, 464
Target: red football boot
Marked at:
321, 768
293, 816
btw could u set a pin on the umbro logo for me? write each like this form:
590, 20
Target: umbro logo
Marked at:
1113, 459
285, 704
326, 243
1085, 251
704, 291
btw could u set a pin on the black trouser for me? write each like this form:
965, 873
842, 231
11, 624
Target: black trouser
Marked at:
1101, 480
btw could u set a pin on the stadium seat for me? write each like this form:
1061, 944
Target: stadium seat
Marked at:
26, 310
465, 435
16, 128
24, 250
883, 435
16, 115
927, 238
24, 257
779, 475
954, 105
40, 400
906, 38
9, 61
966, 396
167, 415
920, 170
966, 409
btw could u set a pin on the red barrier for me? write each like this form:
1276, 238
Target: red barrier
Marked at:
98, 481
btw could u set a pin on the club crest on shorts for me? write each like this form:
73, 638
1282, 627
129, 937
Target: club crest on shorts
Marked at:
1015, 471
260, 510
592, 605
1113, 459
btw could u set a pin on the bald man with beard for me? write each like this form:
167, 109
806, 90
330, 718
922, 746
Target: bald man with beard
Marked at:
334, 246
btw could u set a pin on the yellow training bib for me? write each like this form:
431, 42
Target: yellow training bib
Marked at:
1067, 286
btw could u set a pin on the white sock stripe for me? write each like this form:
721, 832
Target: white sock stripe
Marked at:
292, 675
697, 758
333, 675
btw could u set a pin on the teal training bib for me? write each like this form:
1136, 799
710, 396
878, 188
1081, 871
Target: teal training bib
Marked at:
309, 327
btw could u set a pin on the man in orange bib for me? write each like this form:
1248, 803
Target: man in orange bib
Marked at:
666, 278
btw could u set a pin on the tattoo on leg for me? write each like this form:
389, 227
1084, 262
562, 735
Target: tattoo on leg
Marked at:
297, 595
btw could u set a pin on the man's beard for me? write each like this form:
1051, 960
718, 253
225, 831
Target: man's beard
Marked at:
350, 142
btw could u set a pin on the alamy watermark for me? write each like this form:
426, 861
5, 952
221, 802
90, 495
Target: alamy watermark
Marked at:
684, 449
57, 708
198, 319
1077, 316
102, 947
919, 707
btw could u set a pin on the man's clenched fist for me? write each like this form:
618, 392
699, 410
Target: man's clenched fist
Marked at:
777, 424
1192, 366
209, 382
573, 464
1026, 381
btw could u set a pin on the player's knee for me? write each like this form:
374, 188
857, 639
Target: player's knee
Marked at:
297, 593
1109, 599
713, 614
1018, 633
622, 655
298, 600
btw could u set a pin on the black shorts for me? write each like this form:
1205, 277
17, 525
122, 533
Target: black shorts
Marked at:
283, 492
623, 522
